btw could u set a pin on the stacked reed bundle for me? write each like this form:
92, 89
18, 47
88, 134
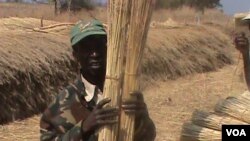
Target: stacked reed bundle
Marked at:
137, 15
207, 126
117, 30
141, 13
235, 107
245, 96
213, 120
192, 132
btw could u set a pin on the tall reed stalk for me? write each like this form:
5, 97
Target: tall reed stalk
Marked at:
141, 12
118, 21
132, 16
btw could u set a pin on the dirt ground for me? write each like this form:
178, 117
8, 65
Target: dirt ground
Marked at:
170, 102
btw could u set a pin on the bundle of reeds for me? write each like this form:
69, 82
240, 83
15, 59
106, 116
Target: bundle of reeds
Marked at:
137, 15
192, 132
141, 13
245, 96
213, 121
118, 14
235, 107
207, 126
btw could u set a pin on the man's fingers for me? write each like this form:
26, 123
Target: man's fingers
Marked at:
106, 122
242, 41
130, 111
130, 106
104, 116
103, 102
137, 94
133, 103
133, 106
136, 112
130, 102
107, 110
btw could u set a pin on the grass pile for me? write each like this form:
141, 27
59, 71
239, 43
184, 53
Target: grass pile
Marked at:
33, 66
183, 50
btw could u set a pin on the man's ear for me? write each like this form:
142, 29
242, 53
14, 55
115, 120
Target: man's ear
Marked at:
74, 53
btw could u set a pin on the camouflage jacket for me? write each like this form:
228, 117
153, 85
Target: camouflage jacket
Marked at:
62, 120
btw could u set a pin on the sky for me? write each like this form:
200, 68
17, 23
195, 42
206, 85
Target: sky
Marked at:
230, 7
234, 6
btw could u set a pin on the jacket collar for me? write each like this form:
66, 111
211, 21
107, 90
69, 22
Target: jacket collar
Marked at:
89, 89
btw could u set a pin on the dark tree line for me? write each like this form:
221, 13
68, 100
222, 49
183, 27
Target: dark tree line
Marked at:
200, 5
72, 5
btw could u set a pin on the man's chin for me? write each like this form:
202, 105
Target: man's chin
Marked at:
95, 70
95, 67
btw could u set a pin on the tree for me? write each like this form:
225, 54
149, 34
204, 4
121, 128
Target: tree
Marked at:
72, 5
169, 3
201, 5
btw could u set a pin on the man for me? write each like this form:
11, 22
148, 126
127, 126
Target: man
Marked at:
79, 111
242, 44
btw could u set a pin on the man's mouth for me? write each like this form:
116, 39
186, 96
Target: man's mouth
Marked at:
94, 64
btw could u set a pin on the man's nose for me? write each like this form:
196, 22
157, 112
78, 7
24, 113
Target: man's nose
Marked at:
94, 54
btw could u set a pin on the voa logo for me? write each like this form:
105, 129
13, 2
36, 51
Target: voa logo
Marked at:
236, 132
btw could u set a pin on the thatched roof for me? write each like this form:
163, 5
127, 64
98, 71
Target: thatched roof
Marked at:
184, 50
35, 61
32, 67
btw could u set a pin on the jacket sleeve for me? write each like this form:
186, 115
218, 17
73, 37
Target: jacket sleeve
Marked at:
56, 127
51, 134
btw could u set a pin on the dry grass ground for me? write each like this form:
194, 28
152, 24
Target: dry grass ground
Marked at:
170, 102
27, 130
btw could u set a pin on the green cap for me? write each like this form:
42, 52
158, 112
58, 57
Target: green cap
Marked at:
82, 29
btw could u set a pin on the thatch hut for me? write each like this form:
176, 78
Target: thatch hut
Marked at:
33, 66
35, 61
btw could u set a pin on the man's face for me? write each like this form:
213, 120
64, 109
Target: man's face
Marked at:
91, 54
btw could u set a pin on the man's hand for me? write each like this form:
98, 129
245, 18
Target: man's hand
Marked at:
137, 107
100, 116
241, 43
